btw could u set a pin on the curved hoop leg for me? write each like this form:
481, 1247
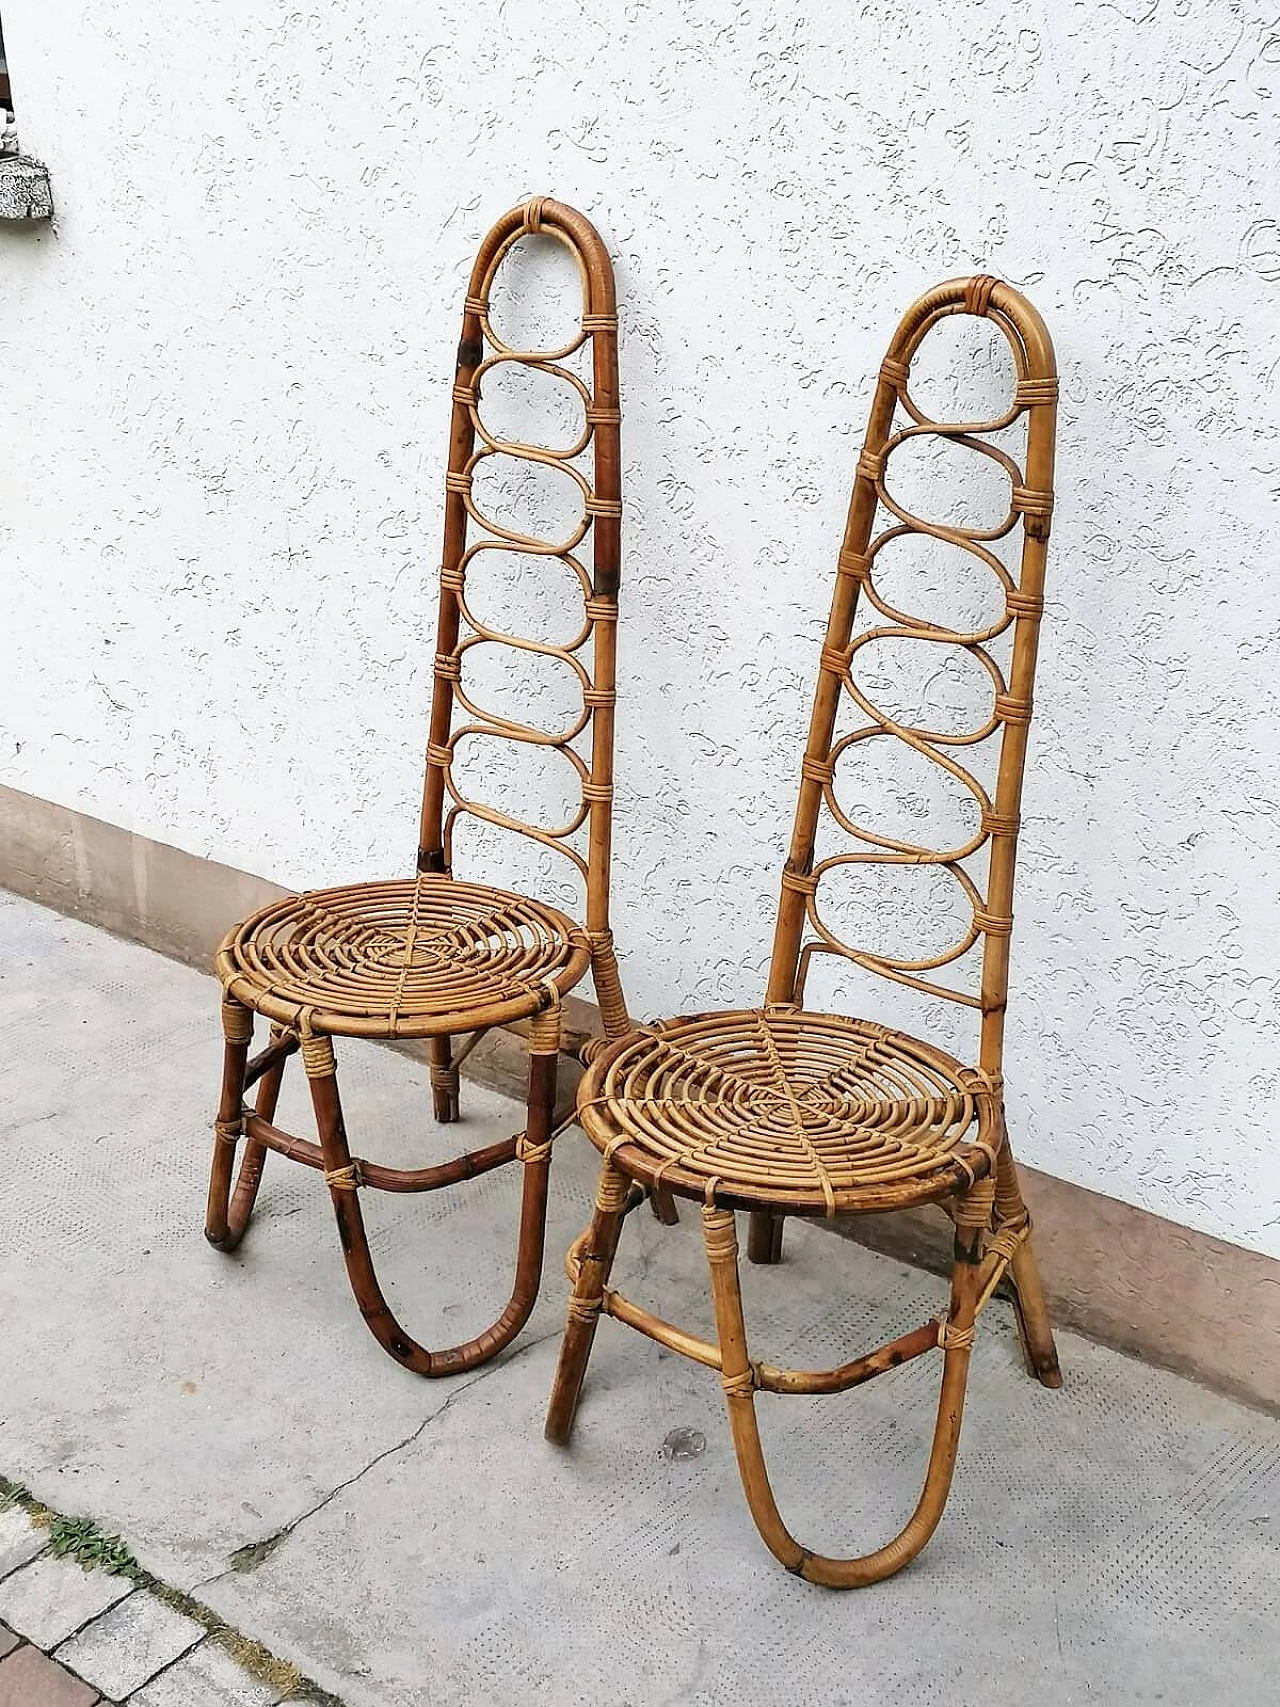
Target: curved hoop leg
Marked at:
342, 1178
444, 1080
601, 1246
764, 1237
228, 1213
1030, 1311
738, 1381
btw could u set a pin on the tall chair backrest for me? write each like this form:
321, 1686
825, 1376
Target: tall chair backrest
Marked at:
591, 461
801, 931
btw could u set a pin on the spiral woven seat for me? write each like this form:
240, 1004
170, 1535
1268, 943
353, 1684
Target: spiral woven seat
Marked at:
402, 959
811, 1113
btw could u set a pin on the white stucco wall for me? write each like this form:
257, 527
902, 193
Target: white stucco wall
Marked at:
225, 383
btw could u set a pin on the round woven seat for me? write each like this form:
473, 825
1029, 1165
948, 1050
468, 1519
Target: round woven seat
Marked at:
415, 958
812, 1114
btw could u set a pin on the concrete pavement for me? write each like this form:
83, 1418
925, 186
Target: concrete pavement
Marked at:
415, 1544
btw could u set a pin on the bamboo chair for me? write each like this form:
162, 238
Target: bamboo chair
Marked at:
430, 956
781, 1111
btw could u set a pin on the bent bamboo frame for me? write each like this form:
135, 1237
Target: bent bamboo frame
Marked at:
782, 1111
432, 957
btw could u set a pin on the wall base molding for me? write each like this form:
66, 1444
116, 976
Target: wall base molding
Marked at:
1130, 1279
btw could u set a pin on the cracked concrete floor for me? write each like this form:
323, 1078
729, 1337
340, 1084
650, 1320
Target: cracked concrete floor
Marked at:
407, 1542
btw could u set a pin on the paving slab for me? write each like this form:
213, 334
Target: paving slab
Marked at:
29, 1678
207, 1678
129, 1644
20, 1539
8, 1641
406, 1542
49, 1599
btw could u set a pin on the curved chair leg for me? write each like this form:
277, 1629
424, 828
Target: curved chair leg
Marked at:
738, 1381
444, 1081
584, 1306
764, 1237
1030, 1310
343, 1179
227, 1215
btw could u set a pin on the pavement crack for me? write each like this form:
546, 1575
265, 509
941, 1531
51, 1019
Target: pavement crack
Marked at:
255, 1553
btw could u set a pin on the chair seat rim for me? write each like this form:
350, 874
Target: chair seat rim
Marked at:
955, 1172
251, 987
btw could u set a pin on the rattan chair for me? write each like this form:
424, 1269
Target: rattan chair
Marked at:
429, 956
782, 1111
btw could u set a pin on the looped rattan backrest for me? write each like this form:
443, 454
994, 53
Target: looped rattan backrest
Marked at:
876, 520
591, 463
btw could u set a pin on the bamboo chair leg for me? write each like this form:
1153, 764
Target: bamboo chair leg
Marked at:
237, 1030
239, 1213
764, 1237
1030, 1311
598, 1251
444, 1081
663, 1204
738, 1381
343, 1179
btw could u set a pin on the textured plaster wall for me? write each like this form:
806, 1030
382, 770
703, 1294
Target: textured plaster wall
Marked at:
225, 378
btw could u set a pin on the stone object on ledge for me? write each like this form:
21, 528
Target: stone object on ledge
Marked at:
25, 191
